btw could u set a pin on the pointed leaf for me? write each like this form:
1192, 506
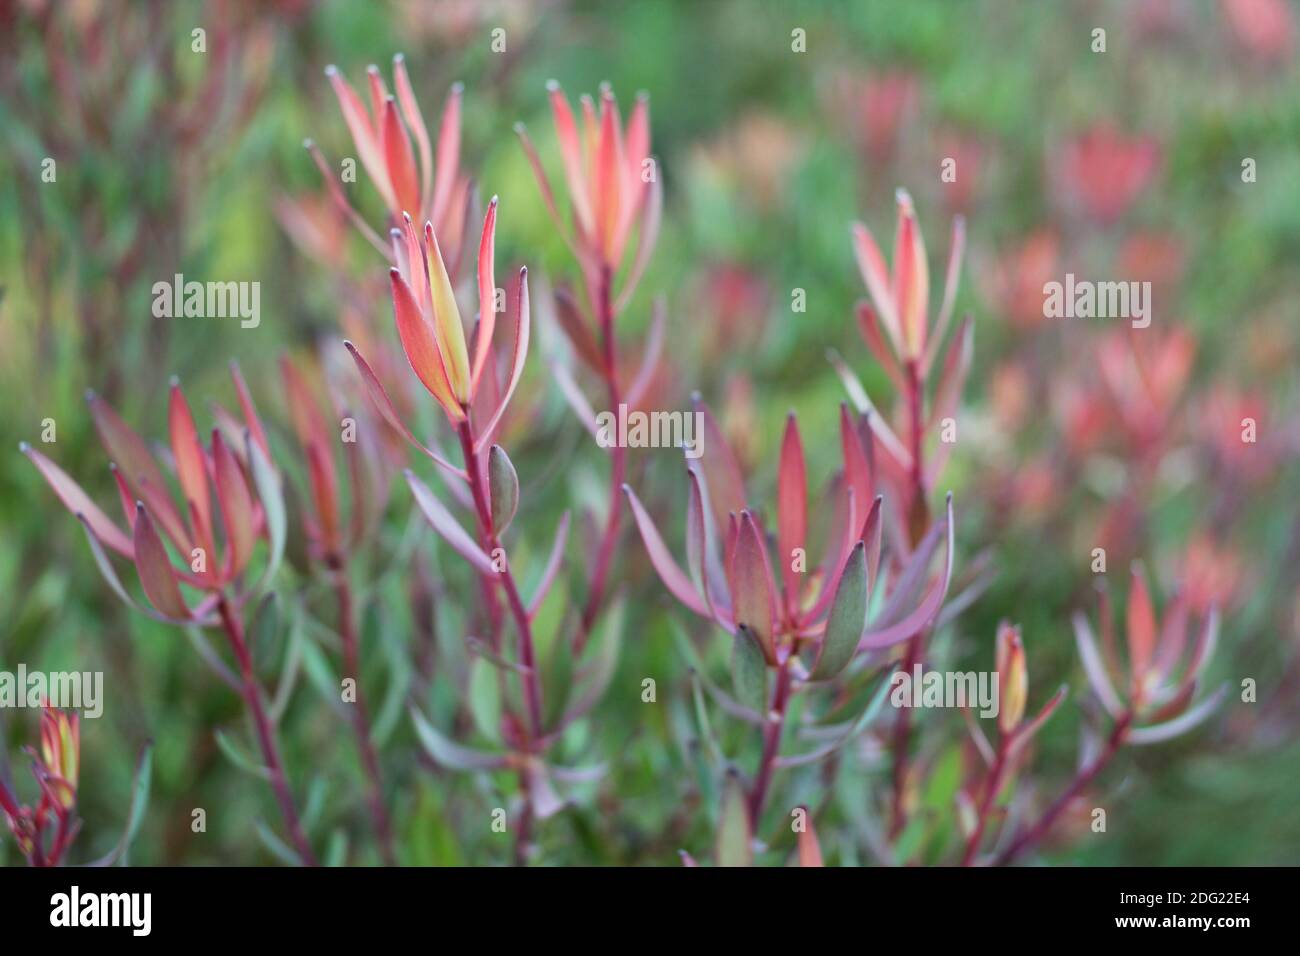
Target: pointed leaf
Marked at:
399, 159
448, 753
669, 571
78, 502
517, 363
751, 588
734, 845
421, 346
503, 488
848, 618
749, 670
155, 568
447, 526
810, 851
1141, 626
1158, 733
792, 508
383, 404
236, 504
487, 292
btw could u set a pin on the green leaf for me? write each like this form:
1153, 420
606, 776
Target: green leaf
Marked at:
749, 670
450, 754
269, 493
277, 846
292, 665
431, 839
239, 758
485, 698
265, 631
139, 800
400, 675
557, 680
321, 675
139, 803
734, 845
607, 646
336, 854
503, 488
847, 620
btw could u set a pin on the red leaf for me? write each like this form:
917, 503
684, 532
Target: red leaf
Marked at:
517, 364
78, 502
123, 445
379, 398
399, 159
752, 591
236, 504
678, 584
487, 293
191, 465
857, 472
157, 576
411, 113
448, 158
421, 347
718, 464
792, 509
1141, 627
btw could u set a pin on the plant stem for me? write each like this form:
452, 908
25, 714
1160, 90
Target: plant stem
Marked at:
775, 723
991, 787
527, 656
617, 465
1034, 834
265, 735
915, 644
360, 717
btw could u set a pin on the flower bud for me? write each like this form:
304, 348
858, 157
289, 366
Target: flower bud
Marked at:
1013, 678
60, 751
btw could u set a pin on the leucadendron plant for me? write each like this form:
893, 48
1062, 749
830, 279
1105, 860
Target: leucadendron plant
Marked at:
519, 698
820, 631
614, 190
436, 189
193, 555
45, 831
339, 518
815, 647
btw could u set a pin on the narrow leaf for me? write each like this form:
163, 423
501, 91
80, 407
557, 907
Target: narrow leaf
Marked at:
848, 618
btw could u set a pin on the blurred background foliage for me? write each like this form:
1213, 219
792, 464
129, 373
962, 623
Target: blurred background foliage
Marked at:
169, 161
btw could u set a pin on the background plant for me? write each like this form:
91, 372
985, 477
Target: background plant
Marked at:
1067, 442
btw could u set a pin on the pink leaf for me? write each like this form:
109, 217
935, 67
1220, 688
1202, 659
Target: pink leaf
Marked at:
678, 584
448, 527
78, 502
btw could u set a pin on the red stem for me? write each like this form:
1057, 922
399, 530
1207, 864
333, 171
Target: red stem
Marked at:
991, 787
265, 736
529, 678
772, 728
527, 657
1035, 833
618, 469
361, 718
903, 725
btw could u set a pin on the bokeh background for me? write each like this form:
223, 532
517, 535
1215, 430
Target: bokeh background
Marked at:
1126, 164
